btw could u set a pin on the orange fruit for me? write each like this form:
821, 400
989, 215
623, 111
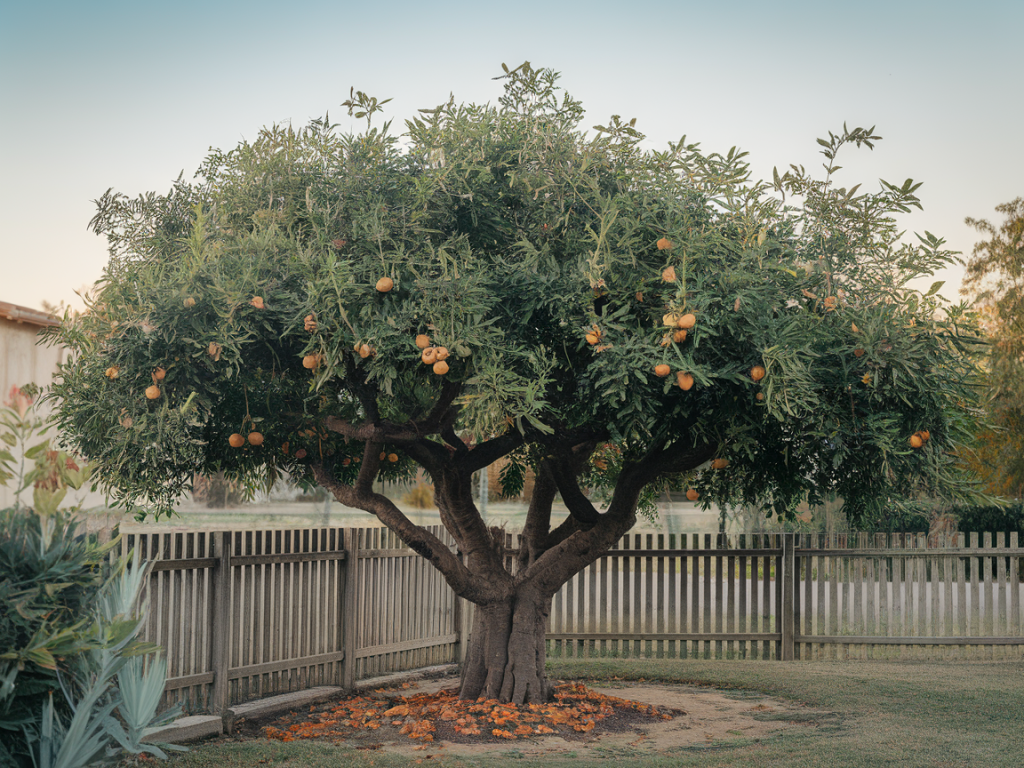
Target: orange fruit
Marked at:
153, 392
383, 455
429, 356
365, 351
757, 373
300, 454
759, 396
692, 494
257, 301
916, 441
831, 302
309, 323
858, 353
346, 461
159, 374
670, 320
423, 341
311, 362
392, 457
385, 284
665, 340
189, 302
684, 381
679, 337
668, 274
255, 439
440, 367
442, 353
866, 378
662, 370
687, 321
638, 296
236, 441
664, 244
112, 372
925, 435
719, 463
592, 338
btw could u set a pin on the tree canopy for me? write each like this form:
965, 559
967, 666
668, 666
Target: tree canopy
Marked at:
995, 276
497, 282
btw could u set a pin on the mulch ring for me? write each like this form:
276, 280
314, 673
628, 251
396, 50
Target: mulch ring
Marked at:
391, 715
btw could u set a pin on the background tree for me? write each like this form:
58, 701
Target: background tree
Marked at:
497, 283
995, 276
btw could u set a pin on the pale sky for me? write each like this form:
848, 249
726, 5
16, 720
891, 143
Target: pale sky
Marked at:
128, 94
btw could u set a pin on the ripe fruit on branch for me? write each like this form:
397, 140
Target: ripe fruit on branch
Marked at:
916, 441
236, 440
257, 301
662, 370
684, 381
664, 244
757, 373
392, 457
365, 351
422, 341
385, 284
440, 367
153, 392
255, 439
925, 435
668, 274
692, 494
159, 374
687, 321
719, 463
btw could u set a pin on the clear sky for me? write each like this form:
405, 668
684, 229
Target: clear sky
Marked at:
127, 94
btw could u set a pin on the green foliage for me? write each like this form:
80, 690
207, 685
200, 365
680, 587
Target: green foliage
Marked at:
995, 275
509, 235
74, 684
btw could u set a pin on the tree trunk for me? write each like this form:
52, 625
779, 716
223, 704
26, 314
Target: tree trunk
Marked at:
507, 650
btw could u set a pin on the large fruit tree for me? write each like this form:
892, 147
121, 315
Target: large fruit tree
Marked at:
495, 283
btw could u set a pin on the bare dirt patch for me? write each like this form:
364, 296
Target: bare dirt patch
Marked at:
421, 719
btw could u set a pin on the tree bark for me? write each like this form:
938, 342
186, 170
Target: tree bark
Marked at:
507, 650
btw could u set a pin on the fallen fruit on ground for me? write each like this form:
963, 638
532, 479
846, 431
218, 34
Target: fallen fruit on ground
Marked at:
670, 320
442, 353
858, 353
684, 380
429, 356
592, 338
662, 370
311, 361
757, 373
257, 301
309, 323
112, 372
440, 367
679, 337
692, 494
255, 439
236, 440
925, 435
385, 284
189, 302
916, 441
664, 244
153, 392
687, 321
422, 341
668, 274
442, 716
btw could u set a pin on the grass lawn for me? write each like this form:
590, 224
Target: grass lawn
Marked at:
880, 714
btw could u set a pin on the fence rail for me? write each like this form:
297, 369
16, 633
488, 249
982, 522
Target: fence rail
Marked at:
245, 614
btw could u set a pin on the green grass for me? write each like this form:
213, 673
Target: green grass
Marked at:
864, 714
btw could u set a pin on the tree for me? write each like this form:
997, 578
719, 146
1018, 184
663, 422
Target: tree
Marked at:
995, 276
497, 283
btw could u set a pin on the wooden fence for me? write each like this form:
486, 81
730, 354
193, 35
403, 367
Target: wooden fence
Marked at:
246, 614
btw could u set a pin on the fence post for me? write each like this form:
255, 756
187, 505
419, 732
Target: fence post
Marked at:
348, 609
220, 622
788, 618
